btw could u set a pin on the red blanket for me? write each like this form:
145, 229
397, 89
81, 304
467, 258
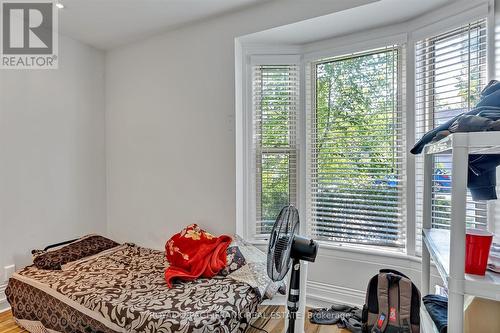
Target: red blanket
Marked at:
193, 252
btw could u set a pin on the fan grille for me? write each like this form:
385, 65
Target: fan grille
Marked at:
280, 243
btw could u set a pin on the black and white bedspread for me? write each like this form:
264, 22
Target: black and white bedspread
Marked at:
123, 290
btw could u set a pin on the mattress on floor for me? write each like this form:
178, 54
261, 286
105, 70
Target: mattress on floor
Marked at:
123, 290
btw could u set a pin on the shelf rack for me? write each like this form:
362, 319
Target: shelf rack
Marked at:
447, 247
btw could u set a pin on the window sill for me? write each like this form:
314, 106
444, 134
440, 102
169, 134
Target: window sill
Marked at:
257, 242
367, 250
354, 249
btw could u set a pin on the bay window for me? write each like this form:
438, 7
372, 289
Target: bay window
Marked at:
329, 134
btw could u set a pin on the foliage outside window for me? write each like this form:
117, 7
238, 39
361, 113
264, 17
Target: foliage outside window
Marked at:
356, 181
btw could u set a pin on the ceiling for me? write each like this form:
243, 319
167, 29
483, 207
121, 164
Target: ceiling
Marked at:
362, 18
106, 24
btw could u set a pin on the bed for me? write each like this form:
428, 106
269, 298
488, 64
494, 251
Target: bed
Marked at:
123, 289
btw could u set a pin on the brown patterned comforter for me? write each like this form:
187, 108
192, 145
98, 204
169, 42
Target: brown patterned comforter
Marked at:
123, 290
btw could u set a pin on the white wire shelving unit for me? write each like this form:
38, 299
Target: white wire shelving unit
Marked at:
447, 247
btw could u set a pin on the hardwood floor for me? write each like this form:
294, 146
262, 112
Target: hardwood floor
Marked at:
271, 324
266, 322
8, 325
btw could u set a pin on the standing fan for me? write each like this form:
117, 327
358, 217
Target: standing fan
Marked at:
285, 247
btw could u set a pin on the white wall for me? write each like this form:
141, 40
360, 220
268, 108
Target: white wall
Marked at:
170, 124
52, 153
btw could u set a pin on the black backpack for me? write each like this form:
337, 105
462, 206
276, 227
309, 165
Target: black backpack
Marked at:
392, 304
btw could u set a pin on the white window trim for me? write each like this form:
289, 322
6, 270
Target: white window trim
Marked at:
407, 33
246, 227
476, 12
313, 54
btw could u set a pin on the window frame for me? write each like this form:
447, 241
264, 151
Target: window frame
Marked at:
311, 83
246, 226
429, 109
291, 149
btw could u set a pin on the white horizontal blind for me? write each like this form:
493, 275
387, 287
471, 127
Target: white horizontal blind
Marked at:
356, 150
450, 71
275, 104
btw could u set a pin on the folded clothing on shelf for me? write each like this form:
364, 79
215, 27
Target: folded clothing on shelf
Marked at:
437, 307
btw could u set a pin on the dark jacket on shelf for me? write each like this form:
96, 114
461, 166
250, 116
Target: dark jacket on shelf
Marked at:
484, 117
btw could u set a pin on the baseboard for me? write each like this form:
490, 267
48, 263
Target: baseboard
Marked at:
319, 294
3, 299
323, 295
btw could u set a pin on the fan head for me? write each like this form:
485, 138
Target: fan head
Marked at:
280, 243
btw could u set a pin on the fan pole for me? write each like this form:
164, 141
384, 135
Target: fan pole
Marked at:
293, 295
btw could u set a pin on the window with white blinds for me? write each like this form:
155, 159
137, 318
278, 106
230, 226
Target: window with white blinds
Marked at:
356, 149
450, 72
275, 90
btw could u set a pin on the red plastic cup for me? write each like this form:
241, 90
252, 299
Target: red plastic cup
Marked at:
477, 251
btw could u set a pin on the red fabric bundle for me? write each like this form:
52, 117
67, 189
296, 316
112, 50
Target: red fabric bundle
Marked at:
193, 252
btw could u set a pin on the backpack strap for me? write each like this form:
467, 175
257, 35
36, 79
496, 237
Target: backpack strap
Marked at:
405, 295
394, 301
383, 303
